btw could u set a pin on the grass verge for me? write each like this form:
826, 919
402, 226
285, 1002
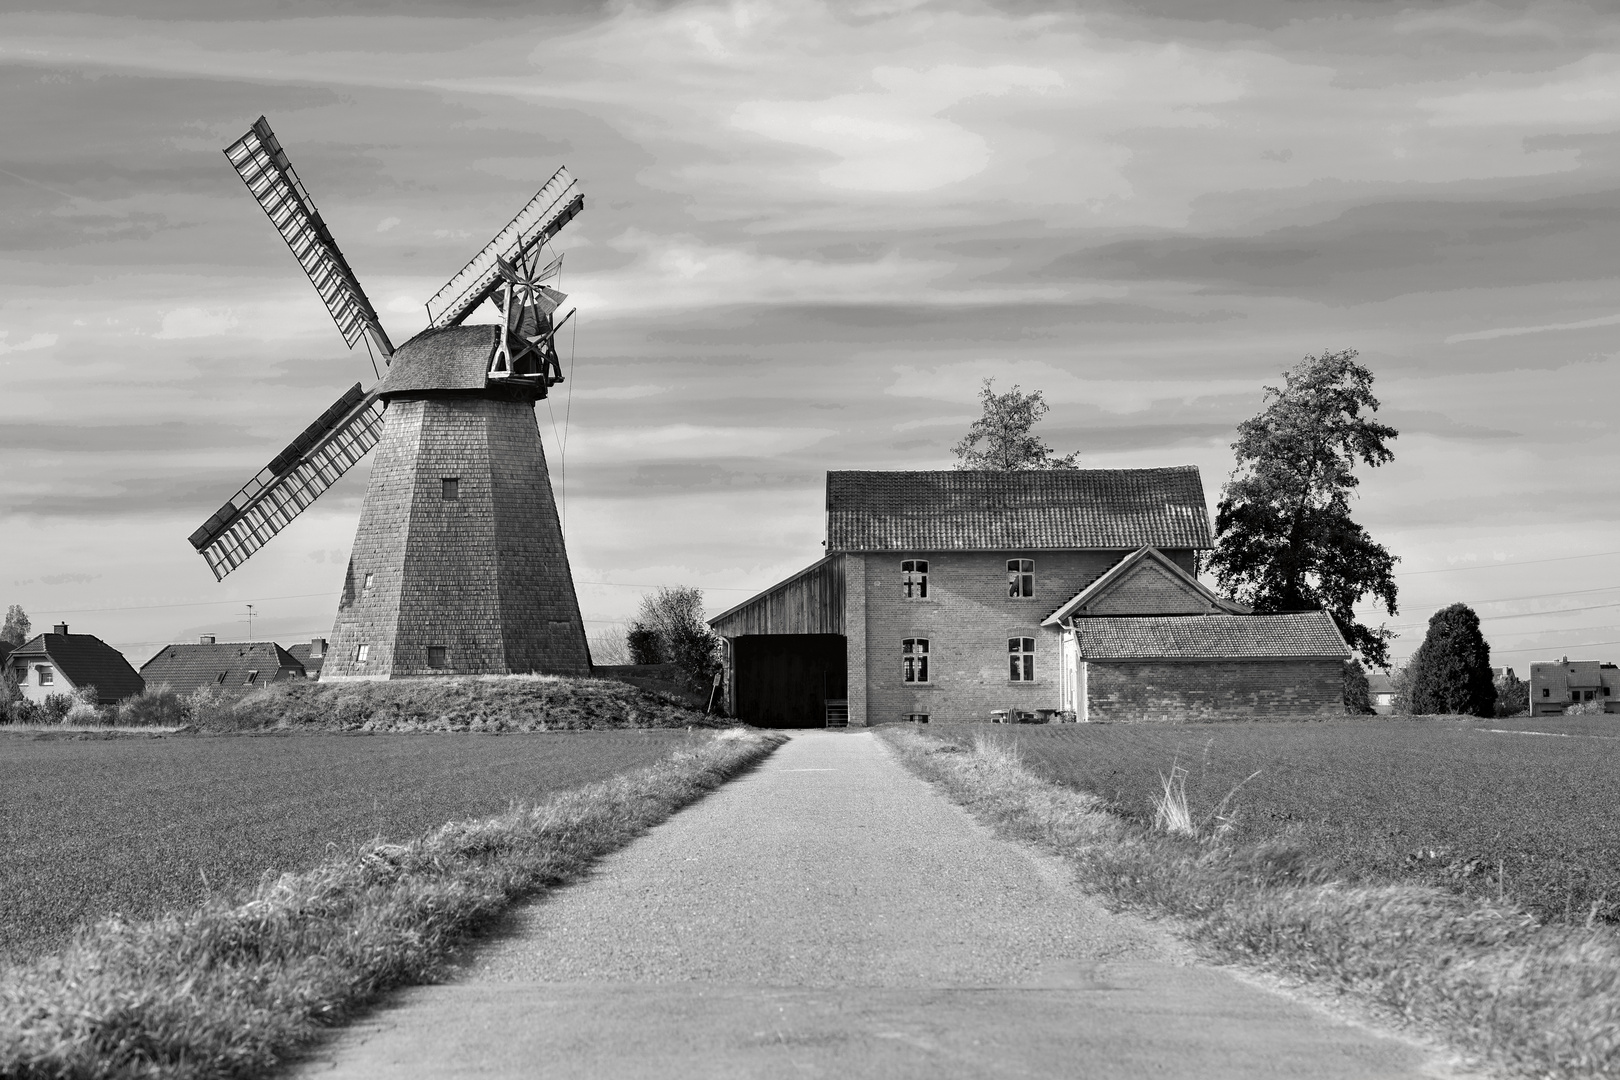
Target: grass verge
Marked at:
233, 988
1488, 979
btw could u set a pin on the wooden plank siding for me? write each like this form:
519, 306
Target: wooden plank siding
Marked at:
809, 602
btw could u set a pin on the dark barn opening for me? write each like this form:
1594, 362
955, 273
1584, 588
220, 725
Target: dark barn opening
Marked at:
786, 680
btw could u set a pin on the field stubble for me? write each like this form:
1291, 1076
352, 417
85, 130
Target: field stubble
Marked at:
1510, 809
91, 827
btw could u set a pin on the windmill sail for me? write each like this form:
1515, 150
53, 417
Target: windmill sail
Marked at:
554, 206
283, 489
263, 166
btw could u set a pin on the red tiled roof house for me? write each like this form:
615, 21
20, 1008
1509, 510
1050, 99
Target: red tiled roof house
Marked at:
60, 663
962, 595
230, 665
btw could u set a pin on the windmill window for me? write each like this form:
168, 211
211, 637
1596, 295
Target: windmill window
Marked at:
1021, 659
914, 579
1020, 578
47, 675
914, 660
450, 488
367, 586
362, 653
438, 656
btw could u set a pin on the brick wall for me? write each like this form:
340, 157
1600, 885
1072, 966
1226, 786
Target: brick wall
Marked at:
484, 575
1148, 589
1214, 689
967, 619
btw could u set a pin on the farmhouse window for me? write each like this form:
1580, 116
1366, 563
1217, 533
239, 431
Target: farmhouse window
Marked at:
1021, 659
220, 678
47, 676
914, 659
253, 677
362, 653
1020, 578
450, 488
914, 579
438, 656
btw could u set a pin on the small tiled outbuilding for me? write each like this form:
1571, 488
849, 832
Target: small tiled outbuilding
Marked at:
959, 595
231, 665
60, 663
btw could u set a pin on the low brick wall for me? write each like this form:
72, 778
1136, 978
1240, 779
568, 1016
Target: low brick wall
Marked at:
1210, 690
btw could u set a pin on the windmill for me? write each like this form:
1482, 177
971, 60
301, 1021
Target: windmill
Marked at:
458, 564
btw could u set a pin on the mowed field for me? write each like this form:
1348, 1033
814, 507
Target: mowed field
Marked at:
89, 827
1528, 807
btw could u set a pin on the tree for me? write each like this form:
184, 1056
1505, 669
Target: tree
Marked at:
1357, 694
1451, 670
1512, 694
1001, 437
15, 631
608, 646
1284, 540
669, 629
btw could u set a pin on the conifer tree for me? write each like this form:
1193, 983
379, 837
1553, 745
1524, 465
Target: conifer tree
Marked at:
1451, 671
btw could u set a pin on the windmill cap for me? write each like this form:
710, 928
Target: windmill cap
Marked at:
454, 358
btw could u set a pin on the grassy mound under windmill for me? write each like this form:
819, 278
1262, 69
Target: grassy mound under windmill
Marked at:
473, 703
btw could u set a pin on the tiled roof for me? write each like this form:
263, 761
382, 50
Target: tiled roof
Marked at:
966, 510
84, 659
1209, 637
312, 666
186, 667
454, 358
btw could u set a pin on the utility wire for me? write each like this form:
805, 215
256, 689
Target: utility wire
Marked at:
1519, 562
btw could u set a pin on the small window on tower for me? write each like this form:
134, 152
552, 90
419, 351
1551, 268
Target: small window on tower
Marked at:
914, 579
450, 488
367, 586
362, 653
438, 656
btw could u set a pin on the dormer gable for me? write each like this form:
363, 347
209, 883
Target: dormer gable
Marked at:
1145, 582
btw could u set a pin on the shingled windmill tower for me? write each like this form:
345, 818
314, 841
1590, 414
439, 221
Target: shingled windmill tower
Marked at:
458, 565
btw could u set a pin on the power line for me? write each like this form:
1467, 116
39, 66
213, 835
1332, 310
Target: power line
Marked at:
1519, 562
189, 603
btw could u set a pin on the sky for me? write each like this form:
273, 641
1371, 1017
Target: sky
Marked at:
811, 231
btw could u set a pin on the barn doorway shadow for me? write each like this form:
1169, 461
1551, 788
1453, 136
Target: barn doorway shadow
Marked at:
788, 680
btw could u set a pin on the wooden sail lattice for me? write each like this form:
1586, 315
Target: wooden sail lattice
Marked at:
263, 166
283, 489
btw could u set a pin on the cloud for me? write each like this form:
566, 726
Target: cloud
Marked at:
38, 341
1058, 386
1515, 331
387, 223
195, 322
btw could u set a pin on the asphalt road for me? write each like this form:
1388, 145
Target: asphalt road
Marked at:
830, 915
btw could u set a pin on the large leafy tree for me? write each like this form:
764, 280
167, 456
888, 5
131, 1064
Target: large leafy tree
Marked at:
15, 630
669, 629
1451, 670
1284, 538
1001, 438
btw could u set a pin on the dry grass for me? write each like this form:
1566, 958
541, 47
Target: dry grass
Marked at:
1489, 979
237, 986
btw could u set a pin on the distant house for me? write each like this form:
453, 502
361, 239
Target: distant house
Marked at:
311, 656
1557, 685
231, 665
60, 663
1381, 692
961, 595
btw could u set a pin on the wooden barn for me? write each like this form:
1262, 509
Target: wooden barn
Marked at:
967, 595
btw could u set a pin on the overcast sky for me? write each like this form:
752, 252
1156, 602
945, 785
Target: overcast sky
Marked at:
811, 230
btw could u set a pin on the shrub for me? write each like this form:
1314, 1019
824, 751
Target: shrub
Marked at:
156, 706
1451, 670
1357, 694
645, 646
55, 708
1512, 695
1585, 708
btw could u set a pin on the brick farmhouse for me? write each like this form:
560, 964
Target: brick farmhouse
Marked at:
964, 595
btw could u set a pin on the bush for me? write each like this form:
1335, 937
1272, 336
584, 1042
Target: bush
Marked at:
1357, 694
1512, 695
156, 706
645, 644
1585, 708
1451, 670
55, 708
